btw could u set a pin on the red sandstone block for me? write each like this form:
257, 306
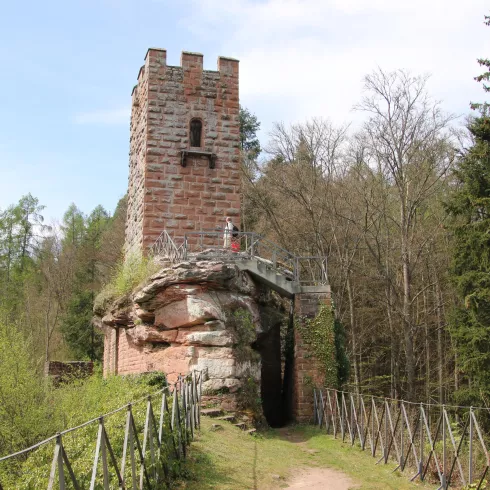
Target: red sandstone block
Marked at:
183, 201
197, 171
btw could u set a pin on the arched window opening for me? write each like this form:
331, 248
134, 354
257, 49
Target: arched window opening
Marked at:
195, 133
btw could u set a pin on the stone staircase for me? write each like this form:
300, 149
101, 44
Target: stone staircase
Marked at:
232, 418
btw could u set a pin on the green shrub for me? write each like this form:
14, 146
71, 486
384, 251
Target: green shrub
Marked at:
74, 404
25, 412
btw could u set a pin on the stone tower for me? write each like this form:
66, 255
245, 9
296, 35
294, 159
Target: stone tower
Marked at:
184, 165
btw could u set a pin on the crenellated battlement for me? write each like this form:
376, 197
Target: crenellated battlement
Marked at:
190, 62
190, 71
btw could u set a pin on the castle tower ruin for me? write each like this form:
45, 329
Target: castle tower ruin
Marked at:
184, 176
184, 165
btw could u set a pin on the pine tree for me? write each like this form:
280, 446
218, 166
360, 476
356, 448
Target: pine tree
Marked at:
470, 209
76, 326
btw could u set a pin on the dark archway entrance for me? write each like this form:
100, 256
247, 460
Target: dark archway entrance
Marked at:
273, 346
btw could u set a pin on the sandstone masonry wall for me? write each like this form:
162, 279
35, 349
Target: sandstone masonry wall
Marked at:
162, 193
137, 163
308, 371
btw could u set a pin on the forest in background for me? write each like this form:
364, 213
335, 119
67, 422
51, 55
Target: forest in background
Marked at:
400, 207
50, 275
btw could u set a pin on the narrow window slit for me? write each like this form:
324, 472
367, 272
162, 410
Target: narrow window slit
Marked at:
195, 133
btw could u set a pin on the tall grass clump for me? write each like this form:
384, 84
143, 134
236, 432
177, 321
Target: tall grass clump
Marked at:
129, 273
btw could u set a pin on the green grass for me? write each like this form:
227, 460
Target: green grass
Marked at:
231, 459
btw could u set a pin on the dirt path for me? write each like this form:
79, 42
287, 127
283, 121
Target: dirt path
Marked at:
320, 479
315, 478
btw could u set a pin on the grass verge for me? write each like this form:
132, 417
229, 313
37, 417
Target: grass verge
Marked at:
232, 459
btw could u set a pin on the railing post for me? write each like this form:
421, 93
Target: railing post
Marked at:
342, 417
362, 410
401, 435
373, 445
470, 464
385, 445
443, 480
421, 461
315, 417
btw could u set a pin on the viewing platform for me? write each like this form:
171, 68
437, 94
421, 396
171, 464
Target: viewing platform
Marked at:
284, 272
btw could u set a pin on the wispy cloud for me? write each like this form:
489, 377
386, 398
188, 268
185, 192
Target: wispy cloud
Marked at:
108, 117
314, 53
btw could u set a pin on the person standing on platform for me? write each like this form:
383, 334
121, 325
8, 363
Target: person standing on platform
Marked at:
228, 233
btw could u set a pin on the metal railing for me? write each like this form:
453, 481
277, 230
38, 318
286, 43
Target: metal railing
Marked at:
442, 444
164, 246
223, 245
150, 449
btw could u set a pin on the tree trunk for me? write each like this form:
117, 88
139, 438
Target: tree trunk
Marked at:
440, 351
357, 378
407, 303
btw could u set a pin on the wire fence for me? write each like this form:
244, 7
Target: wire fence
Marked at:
442, 444
129, 451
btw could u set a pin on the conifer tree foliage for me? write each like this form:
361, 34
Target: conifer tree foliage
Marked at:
49, 276
249, 125
251, 149
98, 249
470, 209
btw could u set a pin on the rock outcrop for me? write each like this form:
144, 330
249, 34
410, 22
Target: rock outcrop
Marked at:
201, 314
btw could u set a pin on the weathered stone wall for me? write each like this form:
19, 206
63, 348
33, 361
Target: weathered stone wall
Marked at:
66, 371
137, 163
308, 370
183, 319
162, 193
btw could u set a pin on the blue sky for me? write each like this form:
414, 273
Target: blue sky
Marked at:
68, 68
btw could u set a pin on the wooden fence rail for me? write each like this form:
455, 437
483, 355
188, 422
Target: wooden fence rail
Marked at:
149, 451
438, 443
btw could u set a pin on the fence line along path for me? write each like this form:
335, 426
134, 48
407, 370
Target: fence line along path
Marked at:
135, 456
443, 444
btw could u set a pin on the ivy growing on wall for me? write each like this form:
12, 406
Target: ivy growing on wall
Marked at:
241, 326
326, 337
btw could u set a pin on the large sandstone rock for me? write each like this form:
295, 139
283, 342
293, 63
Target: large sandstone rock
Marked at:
183, 319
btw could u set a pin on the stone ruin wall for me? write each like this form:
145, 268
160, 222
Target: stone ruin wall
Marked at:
137, 163
308, 370
180, 321
161, 193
